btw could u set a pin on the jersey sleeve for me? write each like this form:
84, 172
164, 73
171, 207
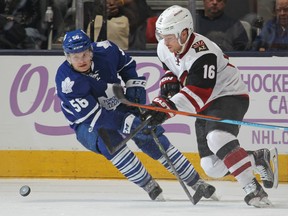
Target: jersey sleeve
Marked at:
126, 65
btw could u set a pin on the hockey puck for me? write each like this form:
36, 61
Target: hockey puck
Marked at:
25, 190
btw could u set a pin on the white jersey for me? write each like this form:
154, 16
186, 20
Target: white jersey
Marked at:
204, 72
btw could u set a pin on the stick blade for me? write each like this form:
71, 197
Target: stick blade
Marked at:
110, 146
114, 148
118, 90
119, 93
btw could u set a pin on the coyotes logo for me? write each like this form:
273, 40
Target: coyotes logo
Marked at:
199, 46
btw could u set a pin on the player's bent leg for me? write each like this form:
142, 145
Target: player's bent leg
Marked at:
186, 171
131, 167
236, 159
237, 164
183, 167
124, 159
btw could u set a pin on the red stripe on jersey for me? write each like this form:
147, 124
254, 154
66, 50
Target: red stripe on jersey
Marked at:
203, 93
230, 65
225, 56
191, 100
183, 78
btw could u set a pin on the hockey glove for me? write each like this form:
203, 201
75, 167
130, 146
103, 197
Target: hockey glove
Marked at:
135, 90
169, 85
159, 117
130, 123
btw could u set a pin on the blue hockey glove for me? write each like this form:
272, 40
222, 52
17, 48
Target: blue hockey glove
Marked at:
135, 90
169, 85
130, 123
159, 117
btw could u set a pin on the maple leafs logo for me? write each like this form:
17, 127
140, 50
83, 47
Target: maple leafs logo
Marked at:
67, 85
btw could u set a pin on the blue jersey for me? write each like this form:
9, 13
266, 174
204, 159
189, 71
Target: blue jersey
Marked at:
85, 96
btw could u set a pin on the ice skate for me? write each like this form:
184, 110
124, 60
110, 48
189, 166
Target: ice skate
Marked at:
267, 166
204, 189
154, 190
256, 196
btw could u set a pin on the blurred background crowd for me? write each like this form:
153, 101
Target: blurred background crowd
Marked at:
235, 25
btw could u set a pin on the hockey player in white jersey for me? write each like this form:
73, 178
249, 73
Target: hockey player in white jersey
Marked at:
200, 79
84, 85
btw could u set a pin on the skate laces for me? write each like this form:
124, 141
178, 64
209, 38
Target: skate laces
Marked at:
154, 191
263, 165
198, 183
251, 187
263, 173
150, 186
201, 182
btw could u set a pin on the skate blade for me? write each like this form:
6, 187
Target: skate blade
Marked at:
215, 197
199, 193
274, 162
263, 203
160, 198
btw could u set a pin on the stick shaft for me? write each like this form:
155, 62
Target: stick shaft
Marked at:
210, 118
164, 153
113, 148
118, 91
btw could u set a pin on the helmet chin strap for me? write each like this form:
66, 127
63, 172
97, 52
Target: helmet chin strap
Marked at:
184, 44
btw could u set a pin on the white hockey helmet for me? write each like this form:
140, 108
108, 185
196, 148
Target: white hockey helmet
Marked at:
174, 20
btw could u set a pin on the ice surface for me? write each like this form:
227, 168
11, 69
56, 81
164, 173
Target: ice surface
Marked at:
122, 198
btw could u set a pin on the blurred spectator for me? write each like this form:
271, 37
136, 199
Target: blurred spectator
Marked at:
64, 18
137, 12
228, 33
273, 35
20, 21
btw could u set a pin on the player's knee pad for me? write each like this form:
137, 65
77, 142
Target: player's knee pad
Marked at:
216, 139
213, 166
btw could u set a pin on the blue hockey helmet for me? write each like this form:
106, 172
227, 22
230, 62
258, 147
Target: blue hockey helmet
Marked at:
76, 41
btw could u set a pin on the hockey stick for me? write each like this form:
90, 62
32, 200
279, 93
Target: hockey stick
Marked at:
198, 194
118, 91
113, 148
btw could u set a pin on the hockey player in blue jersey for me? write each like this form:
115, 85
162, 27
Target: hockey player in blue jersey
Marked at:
84, 85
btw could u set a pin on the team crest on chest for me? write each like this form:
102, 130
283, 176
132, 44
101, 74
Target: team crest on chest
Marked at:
67, 85
199, 46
